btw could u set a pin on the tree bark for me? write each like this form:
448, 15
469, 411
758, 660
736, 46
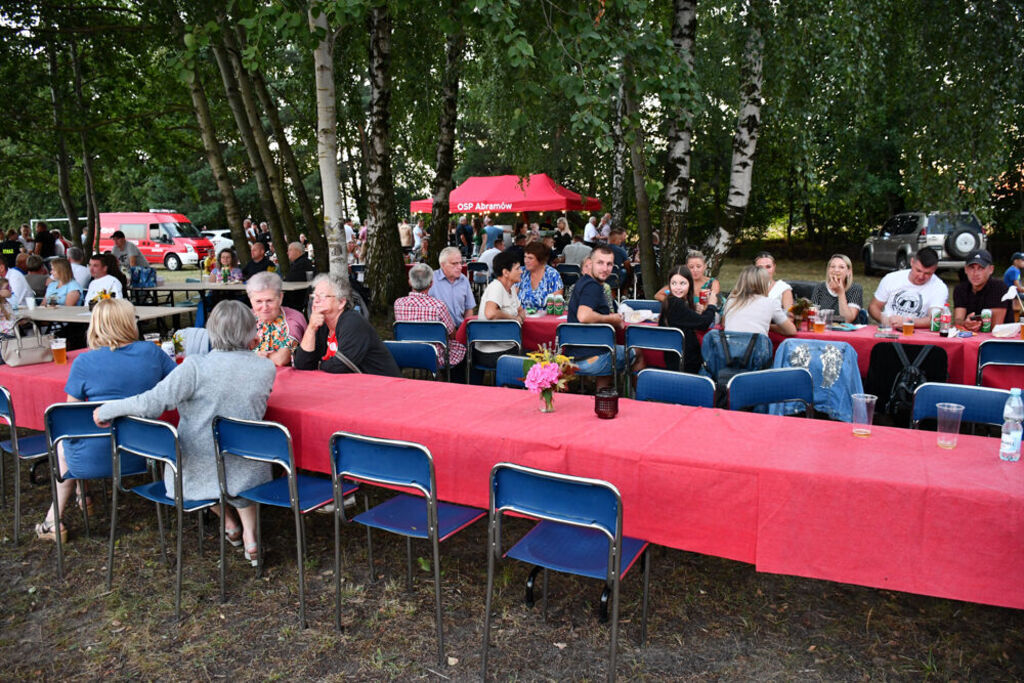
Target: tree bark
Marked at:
455, 44
314, 230
680, 135
284, 232
217, 166
385, 274
744, 146
648, 265
61, 158
327, 142
245, 131
618, 164
91, 205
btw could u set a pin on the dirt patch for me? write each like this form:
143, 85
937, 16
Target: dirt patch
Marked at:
710, 618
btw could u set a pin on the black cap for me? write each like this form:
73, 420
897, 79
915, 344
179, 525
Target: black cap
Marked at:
1016, 255
979, 256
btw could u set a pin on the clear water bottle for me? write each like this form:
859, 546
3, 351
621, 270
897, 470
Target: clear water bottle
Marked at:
1013, 414
945, 320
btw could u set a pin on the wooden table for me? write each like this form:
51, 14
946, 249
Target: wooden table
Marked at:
81, 314
215, 287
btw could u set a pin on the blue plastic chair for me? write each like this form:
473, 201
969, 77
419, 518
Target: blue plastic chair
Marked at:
302, 493
999, 352
653, 384
599, 337
775, 385
643, 304
666, 339
156, 442
415, 355
567, 269
509, 372
982, 405
579, 532
428, 331
491, 331
390, 463
478, 276
569, 279
64, 421
27, 449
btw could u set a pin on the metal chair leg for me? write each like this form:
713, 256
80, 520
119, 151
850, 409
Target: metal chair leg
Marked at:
302, 570
531, 581
437, 601
369, 554
177, 577
545, 584
82, 504
56, 525
408, 563
113, 535
17, 500
337, 566
646, 559
603, 606
160, 526
487, 598
615, 629
223, 542
3, 485
259, 540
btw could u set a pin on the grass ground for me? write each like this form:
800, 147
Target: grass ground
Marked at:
711, 619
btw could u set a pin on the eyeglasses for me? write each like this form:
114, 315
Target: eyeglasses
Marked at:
317, 297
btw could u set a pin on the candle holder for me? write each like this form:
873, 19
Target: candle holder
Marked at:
606, 403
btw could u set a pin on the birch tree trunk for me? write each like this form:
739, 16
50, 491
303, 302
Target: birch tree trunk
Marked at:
455, 44
284, 231
61, 157
385, 275
680, 135
208, 133
245, 131
313, 229
618, 163
744, 145
648, 265
327, 142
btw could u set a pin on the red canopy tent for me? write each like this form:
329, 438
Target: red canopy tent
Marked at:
505, 194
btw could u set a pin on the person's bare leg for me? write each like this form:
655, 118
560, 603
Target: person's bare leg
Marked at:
248, 516
65, 489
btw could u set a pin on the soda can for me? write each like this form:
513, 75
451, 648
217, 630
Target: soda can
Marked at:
986, 320
704, 295
936, 313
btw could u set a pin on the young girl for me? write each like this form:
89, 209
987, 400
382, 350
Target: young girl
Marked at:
679, 311
750, 310
6, 312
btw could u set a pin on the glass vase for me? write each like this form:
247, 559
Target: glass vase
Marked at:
547, 401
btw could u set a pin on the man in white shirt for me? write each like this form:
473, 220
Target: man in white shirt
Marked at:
488, 256
19, 286
591, 233
102, 280
80, 271
910, 294
604, 229
575, 252
419, 233
350, 241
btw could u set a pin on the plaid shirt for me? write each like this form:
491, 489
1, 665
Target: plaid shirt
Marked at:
419, 307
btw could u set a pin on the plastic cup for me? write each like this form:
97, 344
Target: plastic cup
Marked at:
908, 327
948, 416
819, 325
863, 413
30, 302
152, 337
59, 348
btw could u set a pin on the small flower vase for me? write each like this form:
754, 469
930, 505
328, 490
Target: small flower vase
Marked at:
547, 401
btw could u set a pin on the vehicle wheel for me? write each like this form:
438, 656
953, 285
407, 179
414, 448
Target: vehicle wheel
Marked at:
962, 242
869, 267
902, 261
172, 262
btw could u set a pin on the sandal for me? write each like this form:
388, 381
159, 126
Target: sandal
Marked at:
252, 553
234, 536
45, 531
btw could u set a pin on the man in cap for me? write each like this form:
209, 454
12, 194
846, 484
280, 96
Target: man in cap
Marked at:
978, 292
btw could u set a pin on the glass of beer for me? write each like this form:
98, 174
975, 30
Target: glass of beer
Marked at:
908, 327
152, 337
819, 324
59, 347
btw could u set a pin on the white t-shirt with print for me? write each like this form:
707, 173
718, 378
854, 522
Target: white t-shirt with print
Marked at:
107, 282
905, 299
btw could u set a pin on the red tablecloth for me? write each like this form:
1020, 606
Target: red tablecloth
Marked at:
796, 497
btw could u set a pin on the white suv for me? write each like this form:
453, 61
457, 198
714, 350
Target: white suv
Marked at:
952, 235
220, 239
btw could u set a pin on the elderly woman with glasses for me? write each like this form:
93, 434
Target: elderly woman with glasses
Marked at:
230, 381
338, 338
278, 328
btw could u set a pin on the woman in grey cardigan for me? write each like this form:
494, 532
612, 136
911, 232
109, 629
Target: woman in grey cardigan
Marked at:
231, 381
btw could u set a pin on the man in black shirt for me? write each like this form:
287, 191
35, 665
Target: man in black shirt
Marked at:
979, 291
300, 270
10, 247
260, 261
45, 243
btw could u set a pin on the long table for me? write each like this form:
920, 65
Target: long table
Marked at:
791, 496
81, 314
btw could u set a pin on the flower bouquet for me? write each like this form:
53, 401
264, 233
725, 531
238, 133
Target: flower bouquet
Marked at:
801, 310
100, 296
547, 372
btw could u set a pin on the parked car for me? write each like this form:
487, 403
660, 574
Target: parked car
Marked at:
219, 238
952, 235
162, 237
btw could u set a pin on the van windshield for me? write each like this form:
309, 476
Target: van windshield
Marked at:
180, 229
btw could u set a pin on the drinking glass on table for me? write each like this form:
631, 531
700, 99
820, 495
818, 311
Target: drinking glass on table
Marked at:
59, 348
948, 417
863, 413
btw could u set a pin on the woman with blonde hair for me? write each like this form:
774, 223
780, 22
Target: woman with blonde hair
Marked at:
63, 289
117, 365
750, 310
839, 292
7, 319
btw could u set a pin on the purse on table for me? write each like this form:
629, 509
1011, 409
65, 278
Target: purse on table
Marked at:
22, 350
